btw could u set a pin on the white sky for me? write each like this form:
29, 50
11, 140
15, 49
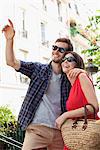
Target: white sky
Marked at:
88, 5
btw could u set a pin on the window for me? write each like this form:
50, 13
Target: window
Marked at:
76, 9
23, 31
24, 55
24, 79
44, 5
69, 5
42, 32
59, 10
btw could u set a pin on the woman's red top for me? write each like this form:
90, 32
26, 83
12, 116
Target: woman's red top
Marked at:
76, 98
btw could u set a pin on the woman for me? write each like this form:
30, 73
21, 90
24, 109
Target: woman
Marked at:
81, 93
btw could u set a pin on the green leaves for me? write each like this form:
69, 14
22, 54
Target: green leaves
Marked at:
7, 120
73, 31
92, 33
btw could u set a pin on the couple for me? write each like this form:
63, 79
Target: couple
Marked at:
51, 85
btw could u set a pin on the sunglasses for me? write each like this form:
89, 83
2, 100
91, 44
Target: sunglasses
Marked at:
69, 59
60, 49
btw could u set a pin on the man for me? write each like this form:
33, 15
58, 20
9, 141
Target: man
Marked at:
46, 96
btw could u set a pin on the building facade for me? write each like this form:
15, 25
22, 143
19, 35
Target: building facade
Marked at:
37, 23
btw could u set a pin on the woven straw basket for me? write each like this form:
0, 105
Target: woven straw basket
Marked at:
78, 138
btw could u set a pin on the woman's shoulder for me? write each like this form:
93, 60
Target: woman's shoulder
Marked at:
83, 77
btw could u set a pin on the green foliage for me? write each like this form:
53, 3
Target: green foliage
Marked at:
7, 120
94, 25
95, 51
98, 82
73, 31
94, 39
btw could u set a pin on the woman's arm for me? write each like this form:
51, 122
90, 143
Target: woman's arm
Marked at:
88, 90
69, 114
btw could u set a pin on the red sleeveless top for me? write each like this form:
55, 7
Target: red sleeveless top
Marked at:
76, 98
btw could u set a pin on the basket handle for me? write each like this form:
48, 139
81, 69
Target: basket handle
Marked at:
85, 117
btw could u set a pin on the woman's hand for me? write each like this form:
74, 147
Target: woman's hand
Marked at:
59, 121
9, 31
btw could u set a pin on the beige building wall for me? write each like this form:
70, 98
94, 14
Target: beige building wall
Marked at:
31, 43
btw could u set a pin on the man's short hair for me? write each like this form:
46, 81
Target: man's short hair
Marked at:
66, 40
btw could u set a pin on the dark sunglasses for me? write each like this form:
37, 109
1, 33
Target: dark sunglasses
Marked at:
60, 49
69, 59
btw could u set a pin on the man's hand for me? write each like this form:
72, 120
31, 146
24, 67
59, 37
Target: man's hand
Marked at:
73, 73
9, 31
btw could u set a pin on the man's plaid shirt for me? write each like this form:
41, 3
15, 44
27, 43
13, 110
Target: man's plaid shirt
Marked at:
40, 75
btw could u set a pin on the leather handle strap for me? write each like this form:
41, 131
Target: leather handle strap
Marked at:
85, 117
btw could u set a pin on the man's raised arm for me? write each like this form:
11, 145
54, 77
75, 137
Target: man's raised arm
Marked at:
9, 33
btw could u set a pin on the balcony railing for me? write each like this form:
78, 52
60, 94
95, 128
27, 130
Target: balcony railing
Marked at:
13, 141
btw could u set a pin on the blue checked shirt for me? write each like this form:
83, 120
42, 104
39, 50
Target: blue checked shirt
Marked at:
40, 75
